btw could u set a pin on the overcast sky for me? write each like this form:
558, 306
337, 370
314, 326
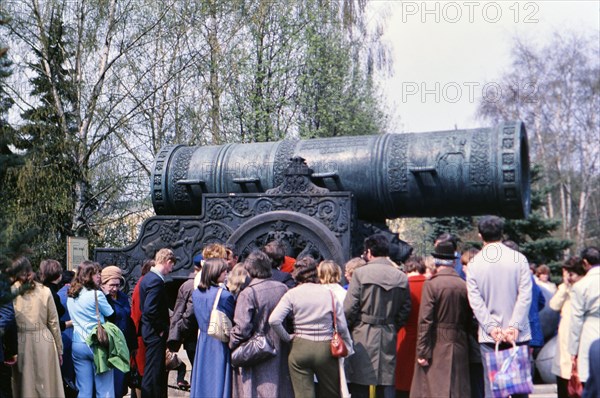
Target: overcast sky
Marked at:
445, 52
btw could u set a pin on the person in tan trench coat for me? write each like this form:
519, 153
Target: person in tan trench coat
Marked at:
37, 373
376, 307
442, 367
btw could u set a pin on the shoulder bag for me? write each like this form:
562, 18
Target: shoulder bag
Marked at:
255, 350
219, 325
101, 335
337, 345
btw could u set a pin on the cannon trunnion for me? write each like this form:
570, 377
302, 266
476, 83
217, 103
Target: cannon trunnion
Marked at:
324, 194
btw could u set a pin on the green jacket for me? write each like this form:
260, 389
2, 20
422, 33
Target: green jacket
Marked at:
117, 354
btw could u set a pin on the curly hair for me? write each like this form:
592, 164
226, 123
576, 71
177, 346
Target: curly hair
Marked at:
305, 270
84, 278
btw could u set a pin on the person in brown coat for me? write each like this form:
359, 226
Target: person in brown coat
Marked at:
442, 368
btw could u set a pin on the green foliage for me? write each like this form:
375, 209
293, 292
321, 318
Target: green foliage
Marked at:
43, 186
11, 245
534, 235
336, 95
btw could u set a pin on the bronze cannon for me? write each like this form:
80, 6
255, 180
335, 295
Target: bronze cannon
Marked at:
326, 193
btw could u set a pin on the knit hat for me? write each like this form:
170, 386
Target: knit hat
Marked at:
112, 272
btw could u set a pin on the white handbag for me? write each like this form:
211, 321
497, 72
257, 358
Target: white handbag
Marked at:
219, 325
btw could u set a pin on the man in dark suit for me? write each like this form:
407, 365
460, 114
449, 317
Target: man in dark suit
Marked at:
154, 324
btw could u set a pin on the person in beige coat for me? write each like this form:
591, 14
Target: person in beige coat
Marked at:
585, 312
37, 373
561, 364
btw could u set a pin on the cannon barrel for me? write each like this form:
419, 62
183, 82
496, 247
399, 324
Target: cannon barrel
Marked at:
433, 174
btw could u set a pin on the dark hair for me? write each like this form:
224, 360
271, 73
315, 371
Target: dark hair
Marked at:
574, 264
276, 252
591, 255
378, 244
50, 270
305, 270
84, 278
211, 270
491, 228
468, 255
415, 263
67, 277
258, 265
22, 271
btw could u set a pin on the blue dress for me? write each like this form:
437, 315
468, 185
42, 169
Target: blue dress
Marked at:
211, 372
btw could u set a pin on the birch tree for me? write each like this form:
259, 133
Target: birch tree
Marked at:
555, 89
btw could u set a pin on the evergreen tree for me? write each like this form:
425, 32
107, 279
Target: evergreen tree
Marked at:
44, 184
535, 234
11, 246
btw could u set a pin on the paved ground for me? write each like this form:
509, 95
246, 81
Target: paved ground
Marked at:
540, 390
174, 392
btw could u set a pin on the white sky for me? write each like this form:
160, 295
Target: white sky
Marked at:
441, 67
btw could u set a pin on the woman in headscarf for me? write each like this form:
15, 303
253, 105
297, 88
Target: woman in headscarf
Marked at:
112, 281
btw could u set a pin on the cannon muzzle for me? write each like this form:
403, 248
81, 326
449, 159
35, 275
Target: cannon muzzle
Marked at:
434, 174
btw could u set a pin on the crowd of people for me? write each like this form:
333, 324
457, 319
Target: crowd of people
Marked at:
418, 329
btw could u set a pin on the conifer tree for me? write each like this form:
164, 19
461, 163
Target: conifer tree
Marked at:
44, 184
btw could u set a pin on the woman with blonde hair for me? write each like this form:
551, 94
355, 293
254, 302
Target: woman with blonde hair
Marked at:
37, 373
238, 279
330, 275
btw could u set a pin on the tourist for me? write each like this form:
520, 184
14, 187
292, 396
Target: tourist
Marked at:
407, 335
211, 375
561, 302
442, 367
310, 304
238, 279
499, 288
350, 267
254, 305
154, 325
83, 295
112, 280
37, 371
377, 306
585, 312
138, 359
276, 252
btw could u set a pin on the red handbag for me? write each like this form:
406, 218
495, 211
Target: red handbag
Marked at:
574, 387
337, 345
